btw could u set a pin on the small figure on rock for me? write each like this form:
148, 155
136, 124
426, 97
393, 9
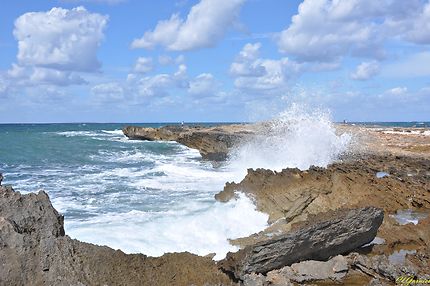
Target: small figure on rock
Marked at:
1, 178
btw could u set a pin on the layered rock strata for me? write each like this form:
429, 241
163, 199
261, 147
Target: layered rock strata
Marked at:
343, 232
213, 143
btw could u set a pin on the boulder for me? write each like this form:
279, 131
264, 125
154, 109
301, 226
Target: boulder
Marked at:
333, 269
34, 250
341, 232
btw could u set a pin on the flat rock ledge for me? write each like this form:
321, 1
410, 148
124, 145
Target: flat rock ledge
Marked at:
213, 143
345, 231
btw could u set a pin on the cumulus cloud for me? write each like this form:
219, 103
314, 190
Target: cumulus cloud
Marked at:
413, 27
246, 63
252, 72
158, 85
56, 77
60, 39
4, 85
143, 65
409, 66
205, 25
163, 88
365, 71
108, 92
326, 30
323, 31
54, 46
32, 76
203, 85
397, 91
165, 60
109, 2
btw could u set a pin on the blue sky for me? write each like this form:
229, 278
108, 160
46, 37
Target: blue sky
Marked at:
213, 60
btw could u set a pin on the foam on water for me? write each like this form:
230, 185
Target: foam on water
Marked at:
157, 197
203, 230
114, 132
298, 137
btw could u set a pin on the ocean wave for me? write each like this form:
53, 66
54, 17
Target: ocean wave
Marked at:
114, 132
77, 133
297, 138
200, 232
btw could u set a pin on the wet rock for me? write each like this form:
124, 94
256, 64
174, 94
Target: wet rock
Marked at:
344, 231
213, 143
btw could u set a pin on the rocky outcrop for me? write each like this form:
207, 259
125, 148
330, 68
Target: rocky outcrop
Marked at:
34, 250
334, 269
339, 270
292, 195
344, 231
213, 143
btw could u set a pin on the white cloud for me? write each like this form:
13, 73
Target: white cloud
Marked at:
55, 46
33, 76
158, 85
397, 91
252, 72
205, 25
143, 65
109, 2
60, 39
325, 30
168, 60
410, 66
56, 77
4, 85
108, 92
413, 27
365, 71
165, 60
159, 89
246, 63
203, 85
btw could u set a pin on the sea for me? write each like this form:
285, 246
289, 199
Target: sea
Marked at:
155, 197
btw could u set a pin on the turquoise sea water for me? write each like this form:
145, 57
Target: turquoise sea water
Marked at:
150, 197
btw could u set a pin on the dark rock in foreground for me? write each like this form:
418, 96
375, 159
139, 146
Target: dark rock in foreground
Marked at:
35, 251
345, 231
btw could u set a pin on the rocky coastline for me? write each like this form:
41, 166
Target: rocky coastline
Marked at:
213, 143
339, 225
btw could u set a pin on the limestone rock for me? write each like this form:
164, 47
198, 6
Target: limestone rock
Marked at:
333, 269
343, 232
213, 143
35, 251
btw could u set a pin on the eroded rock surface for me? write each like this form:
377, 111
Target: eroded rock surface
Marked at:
344, 231
35, 251
292, 195
213, 143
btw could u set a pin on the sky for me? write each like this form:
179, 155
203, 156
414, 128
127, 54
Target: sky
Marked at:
213, 60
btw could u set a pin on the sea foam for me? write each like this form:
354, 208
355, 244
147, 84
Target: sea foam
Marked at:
157, 197
201, 230
297, 138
